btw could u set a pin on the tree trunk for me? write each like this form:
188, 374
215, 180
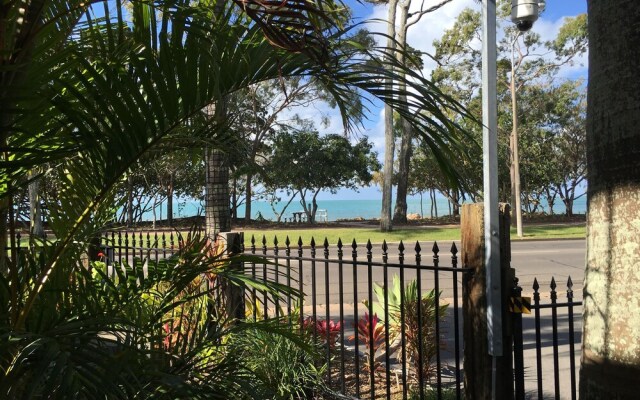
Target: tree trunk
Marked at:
129, 200
512, 182
456, 203
155, 202
216, 204
314, 209
36, 228
435, 203
404, 158
568, 205
170, 201
550, 201
515, 154
406, 148
234, 201
247, 201
611, 340
389, 140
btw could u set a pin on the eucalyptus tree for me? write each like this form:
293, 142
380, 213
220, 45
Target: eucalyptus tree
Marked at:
526, 66
176, 173
396, 47
554, 160
389, 139
524, 60
261, 111
570, 144
407, 19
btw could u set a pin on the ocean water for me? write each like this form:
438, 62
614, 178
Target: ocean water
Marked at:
336, 209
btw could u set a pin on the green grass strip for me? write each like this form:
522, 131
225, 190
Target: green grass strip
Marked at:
408, 236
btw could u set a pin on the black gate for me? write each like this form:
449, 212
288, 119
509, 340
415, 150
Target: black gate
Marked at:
545, 335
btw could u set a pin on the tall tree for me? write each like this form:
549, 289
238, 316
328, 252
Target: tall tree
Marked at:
257, 113
389, 137
526, 66
611, 341
36, 225
406, 20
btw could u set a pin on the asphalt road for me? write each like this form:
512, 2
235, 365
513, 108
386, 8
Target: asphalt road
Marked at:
546, 259
541, 260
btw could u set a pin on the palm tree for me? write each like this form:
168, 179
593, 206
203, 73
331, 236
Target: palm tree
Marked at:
611, 352
90, 93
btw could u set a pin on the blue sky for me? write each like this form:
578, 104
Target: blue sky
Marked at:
560, 8
422, 35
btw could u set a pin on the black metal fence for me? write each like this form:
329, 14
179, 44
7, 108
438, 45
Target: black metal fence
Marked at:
374, 356
360, 302
122, 246
545, 344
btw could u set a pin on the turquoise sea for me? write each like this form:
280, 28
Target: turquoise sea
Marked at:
336, 209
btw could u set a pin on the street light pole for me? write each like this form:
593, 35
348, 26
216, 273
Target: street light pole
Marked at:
490, 173
523, 14
490, 187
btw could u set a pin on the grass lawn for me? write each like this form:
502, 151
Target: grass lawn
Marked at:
410, 235
361, 234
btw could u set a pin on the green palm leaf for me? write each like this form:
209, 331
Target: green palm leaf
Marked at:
90, 94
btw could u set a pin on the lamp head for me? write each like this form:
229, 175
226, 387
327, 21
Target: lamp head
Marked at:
525, 12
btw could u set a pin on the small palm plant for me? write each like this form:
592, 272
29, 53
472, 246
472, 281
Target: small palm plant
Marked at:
416, 316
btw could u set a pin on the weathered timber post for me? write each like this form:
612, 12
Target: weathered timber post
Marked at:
233, 294
477, 361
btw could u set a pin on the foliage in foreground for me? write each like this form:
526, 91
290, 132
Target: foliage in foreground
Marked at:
144, 330
89, 90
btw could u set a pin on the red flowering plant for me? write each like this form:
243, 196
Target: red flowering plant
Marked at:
98, 267
371, 334
329, 331
326, 331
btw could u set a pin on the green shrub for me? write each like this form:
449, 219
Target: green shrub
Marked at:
283, 363
432, 394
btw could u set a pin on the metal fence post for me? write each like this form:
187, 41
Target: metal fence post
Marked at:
518, 356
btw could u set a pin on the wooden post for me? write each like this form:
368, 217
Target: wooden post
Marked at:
477, 361
233, 295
